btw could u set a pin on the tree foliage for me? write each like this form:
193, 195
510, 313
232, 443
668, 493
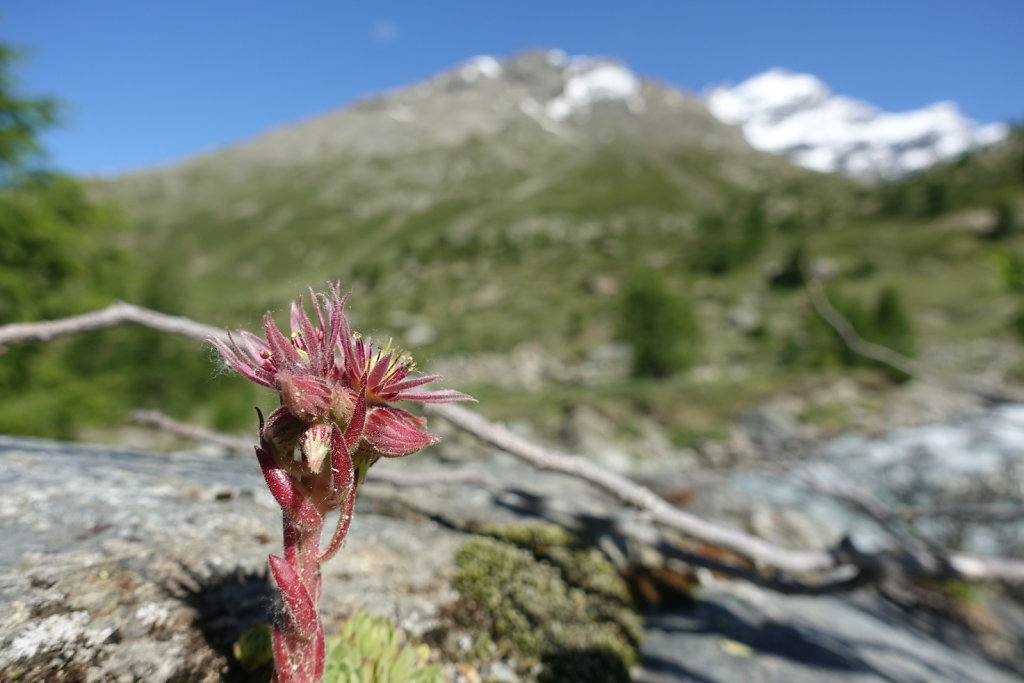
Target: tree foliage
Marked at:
886, 321
21, 119
661, 327
1006, 221
51, 262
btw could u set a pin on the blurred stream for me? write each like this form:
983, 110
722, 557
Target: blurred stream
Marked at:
977, 460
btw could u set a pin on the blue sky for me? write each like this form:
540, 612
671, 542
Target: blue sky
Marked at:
147, 82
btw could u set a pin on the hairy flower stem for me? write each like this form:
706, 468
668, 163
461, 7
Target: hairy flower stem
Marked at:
298, 637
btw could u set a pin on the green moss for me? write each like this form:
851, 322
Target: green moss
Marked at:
537, 594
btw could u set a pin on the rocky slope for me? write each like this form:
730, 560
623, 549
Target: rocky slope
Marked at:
540, 95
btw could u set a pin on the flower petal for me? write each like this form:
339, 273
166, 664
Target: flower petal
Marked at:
412, 383
377, 372
281, 349
391, 435
440, 396
342, 471
234, 357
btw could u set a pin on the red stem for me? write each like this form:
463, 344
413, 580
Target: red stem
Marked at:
298, 636
344, 521
298, 633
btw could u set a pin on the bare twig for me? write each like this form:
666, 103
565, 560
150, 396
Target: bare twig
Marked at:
846, 331
882, 354
628, 491
977, 513
157, 420
863, 501
116, 314
867, 504
764, 555
761, 553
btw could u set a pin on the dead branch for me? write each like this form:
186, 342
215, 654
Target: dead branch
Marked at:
157, 420
762, 554
116, 314
867, 504
765, 556
977, 512
883, 354
628, 526
631, 493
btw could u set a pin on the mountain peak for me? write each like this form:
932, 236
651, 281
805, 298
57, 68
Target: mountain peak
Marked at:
558, 85
534, 95
798, 116
774, 94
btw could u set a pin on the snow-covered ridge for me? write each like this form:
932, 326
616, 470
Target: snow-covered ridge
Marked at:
796, 115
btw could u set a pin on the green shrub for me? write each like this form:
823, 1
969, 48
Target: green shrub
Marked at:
1006, 222
936, 198
1011, 270
660, 326
792, 274
1017, 324
891, 325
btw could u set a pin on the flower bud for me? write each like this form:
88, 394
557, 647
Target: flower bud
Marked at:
315, 446
306, 398
281, 437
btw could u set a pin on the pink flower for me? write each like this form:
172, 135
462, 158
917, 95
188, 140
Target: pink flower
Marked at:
300, 367
325, 373
335, 421
383, 375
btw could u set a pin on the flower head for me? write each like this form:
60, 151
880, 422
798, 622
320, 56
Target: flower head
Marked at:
301, 366
325, 373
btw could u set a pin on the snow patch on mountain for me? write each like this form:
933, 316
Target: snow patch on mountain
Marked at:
483, 65
588, 81
796, 115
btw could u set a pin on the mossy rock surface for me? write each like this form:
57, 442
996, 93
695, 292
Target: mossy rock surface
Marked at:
543, 597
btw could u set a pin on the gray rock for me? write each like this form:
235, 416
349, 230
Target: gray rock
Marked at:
127, 566
739, 632
119, 565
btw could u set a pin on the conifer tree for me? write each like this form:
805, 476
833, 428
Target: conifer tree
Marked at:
892, 325
51, 263
661, 327
1006, 222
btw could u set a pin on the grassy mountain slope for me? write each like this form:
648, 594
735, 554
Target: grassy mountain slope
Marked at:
509, 248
